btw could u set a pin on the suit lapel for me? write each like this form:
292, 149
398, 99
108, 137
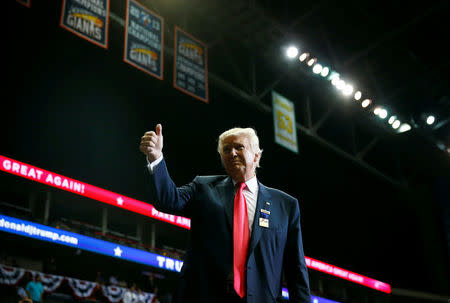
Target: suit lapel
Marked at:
263, 197
226, 194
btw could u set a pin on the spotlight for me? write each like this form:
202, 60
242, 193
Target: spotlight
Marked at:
396, 124
317, 68
404, 128
303, 57
392, 119
366, 103
324, 71
312, 61
430, 120
383, 113
340, 84
348, 90
335, 81
333, 76
358, 95
292, 52
376, 110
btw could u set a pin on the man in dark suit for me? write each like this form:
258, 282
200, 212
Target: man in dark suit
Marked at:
244, 235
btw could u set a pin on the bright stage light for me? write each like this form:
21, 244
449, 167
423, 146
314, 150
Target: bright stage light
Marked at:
325, 71
396, 124
430, 120
358, 95
340, 84
292, 52
392, 119
383, 113
312, 61
335, 81
303, 57
404, 128
348, 90
317, 68
366, 103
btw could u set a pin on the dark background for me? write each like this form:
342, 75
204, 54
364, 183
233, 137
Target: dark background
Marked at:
76, 109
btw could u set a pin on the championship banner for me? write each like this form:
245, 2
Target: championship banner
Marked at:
26, 3
144, 39
284, 122
190, 66
87, 19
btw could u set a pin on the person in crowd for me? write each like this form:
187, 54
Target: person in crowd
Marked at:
243, 234
23, 296
35, 289
140, 297
130, 295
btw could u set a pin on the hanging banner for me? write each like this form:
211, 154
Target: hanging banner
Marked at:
285, 128
87, 19
26, 3
10, 275
144, 39
190, 66
113, 293
50, 282
81, 289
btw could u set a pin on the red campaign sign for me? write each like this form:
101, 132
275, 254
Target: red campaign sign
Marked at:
83, 189
347, 275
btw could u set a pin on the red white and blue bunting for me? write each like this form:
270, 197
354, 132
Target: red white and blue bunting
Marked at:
50, 282
10, 275
113, 293
81, 289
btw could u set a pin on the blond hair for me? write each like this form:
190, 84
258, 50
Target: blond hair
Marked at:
237, 131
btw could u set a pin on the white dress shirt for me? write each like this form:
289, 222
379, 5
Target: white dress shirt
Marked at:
250, 192
251, 197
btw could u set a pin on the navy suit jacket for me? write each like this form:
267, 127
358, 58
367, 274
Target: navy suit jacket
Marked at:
207, 268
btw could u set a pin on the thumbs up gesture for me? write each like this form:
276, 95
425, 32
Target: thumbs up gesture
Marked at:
152, 143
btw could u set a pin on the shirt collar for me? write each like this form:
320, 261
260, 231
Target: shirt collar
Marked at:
252, 184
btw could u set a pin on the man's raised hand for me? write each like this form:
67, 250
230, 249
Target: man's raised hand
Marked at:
152, 143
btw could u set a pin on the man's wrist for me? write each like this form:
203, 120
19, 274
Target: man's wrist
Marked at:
152, 165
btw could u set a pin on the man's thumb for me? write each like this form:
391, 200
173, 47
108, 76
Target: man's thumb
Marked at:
159, 129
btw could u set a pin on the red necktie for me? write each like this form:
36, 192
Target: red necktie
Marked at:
240, 240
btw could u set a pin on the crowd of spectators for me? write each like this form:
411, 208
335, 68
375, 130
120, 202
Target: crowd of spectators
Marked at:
30, 289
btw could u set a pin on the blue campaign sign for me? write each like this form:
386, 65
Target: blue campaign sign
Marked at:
144, 39
58, 236
190, 66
